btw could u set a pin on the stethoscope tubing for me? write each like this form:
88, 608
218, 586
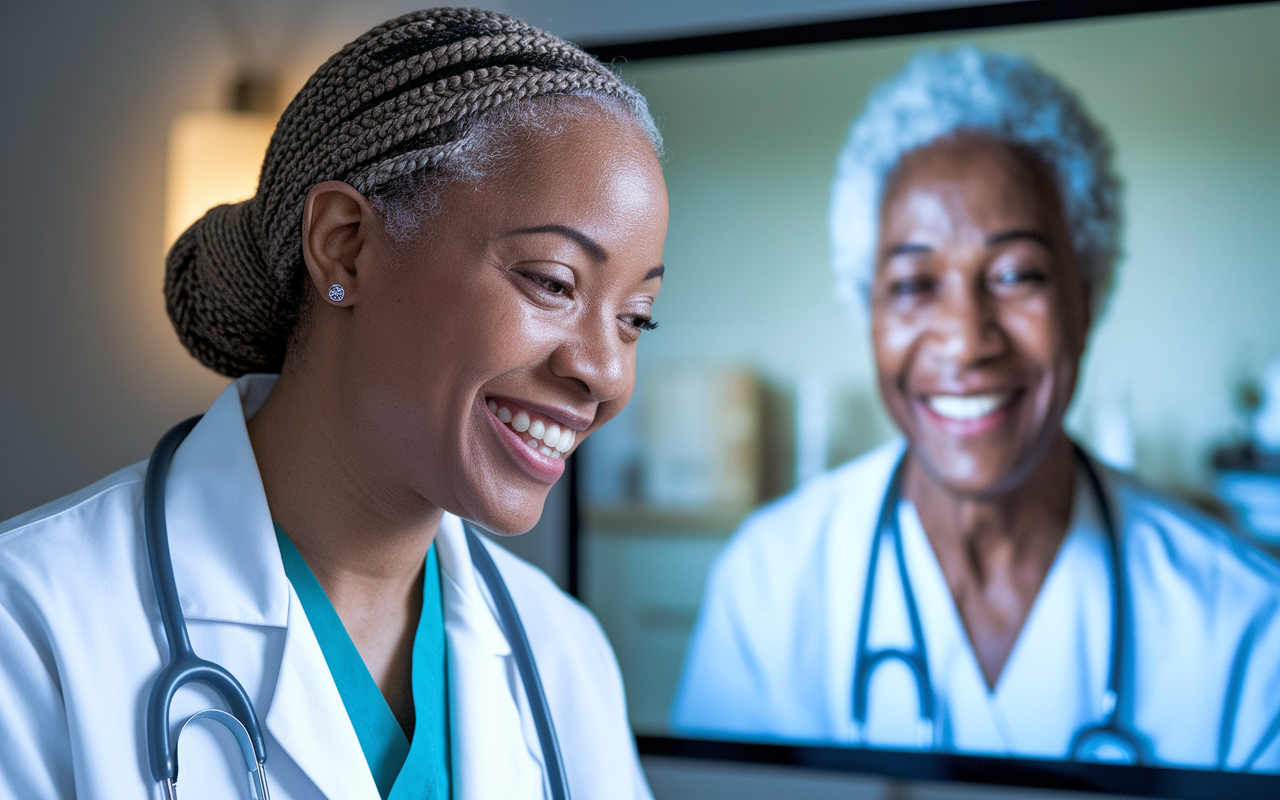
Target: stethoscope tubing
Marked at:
915, 657
183, 665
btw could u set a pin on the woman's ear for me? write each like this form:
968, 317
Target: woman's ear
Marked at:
337, 222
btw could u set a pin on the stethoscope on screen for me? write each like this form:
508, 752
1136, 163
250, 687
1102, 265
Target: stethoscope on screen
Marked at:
1107, 740
185, 666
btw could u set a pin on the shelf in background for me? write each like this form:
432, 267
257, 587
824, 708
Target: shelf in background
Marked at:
644, 519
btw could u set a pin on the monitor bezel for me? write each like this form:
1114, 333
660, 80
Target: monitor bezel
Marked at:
1137, 781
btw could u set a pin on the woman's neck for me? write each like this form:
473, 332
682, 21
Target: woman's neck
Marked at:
996, 552
365, 545
346, 518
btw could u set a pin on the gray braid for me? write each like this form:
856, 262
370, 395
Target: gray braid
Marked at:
400, 102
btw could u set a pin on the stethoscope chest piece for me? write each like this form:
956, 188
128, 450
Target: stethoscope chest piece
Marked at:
1106, 743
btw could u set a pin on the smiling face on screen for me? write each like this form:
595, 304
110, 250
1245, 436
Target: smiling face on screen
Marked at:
979, 313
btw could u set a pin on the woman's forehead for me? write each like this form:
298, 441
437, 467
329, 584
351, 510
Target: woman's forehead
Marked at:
590, 169
971, 182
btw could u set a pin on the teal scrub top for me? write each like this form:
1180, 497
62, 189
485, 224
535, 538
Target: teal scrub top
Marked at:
401, 768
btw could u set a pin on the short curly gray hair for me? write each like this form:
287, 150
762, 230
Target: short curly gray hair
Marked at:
939, 94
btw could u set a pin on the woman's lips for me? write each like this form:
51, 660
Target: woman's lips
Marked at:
968, 414
536, 441
539, 432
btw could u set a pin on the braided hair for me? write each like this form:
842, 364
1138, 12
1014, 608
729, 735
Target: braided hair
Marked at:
399, 107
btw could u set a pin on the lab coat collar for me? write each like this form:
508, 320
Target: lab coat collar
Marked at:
228, 569
470, 600
227, 565
493, 754
225, 557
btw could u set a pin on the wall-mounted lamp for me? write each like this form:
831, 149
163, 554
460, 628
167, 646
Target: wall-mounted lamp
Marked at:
215, 156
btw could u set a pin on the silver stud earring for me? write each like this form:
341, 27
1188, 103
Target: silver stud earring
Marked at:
336, 293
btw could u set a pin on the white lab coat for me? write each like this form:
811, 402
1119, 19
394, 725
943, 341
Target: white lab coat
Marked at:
772, 655
82, 644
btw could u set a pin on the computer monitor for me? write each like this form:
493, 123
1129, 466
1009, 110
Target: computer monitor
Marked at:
762, 384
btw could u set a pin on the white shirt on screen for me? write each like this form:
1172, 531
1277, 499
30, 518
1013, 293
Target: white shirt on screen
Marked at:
772, 655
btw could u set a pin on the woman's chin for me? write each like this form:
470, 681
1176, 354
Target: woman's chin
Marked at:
974, 472
514, 514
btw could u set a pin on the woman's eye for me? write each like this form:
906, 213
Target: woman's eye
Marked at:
643, 323
1019, 277
546, 282
908, 287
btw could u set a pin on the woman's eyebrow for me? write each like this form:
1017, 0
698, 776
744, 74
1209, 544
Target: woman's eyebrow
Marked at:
907, 249
656, 272
593, 249
1015, 235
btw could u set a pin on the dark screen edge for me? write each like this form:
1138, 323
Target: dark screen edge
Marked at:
995, 15
1163, 782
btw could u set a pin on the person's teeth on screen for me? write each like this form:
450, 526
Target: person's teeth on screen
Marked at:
966, 407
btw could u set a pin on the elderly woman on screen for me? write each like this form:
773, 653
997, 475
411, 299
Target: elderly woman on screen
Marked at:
982, 584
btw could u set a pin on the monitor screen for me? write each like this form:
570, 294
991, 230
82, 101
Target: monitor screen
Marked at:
1107, 595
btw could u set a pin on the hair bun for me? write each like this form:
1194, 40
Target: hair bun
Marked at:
228, 307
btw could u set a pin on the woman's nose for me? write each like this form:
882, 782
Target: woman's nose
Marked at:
596, 358
966, 326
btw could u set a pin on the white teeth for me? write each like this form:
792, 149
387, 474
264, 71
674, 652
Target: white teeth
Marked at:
552, 437
547, 438
567, 437
966, 407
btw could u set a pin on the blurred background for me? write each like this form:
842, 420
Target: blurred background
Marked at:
758, 377
92, 373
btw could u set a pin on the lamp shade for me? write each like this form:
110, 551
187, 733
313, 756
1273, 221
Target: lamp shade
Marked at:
214, 158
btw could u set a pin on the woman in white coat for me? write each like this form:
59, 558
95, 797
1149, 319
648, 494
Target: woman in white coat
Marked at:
455, 245
1023, 600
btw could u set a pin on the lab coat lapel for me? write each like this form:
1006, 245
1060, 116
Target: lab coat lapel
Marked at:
491, 754
965, 709
225, 559
227, 566
1070, 626
310, 722
228, 569
859, 494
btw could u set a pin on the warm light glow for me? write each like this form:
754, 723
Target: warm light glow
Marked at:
214, 158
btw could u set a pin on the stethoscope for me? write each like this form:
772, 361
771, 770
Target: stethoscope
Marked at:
1107, 740
185, 666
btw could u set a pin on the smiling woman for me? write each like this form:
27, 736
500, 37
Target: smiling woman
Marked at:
455, 247
982, 584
